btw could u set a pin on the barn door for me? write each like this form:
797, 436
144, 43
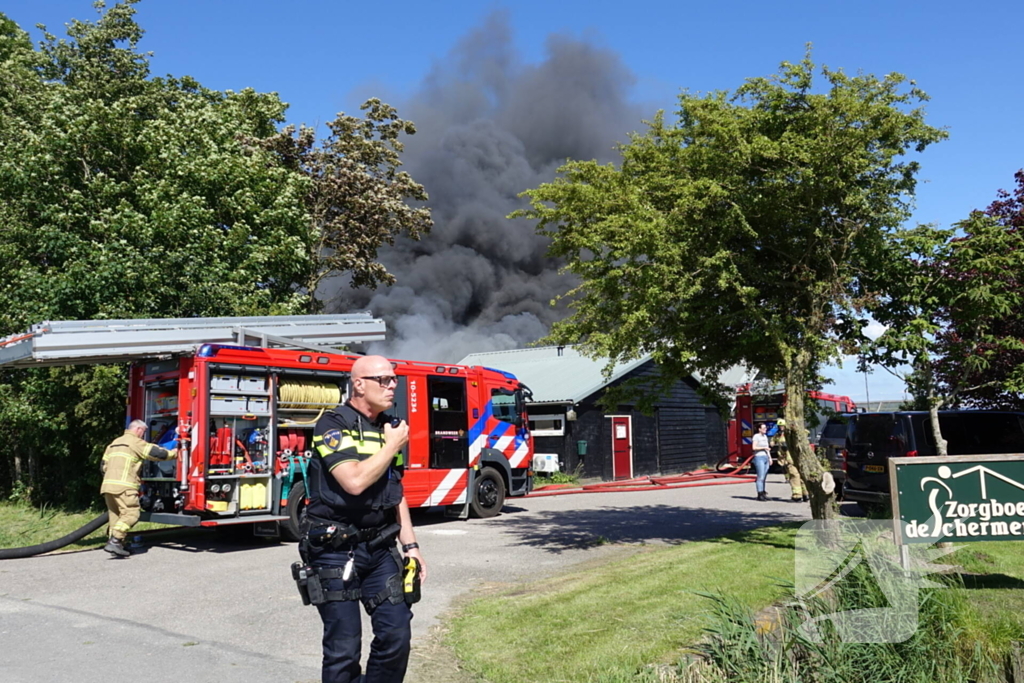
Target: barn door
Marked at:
622, 447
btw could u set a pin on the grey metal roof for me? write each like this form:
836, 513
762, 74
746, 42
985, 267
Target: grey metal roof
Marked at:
554, 376
565, 376
883, 406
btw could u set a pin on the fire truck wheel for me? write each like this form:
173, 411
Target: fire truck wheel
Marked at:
488, 493
296, 502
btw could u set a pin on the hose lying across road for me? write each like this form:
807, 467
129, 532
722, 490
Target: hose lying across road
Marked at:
678, 481
50, 546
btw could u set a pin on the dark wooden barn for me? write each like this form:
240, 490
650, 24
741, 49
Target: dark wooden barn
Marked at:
573, 434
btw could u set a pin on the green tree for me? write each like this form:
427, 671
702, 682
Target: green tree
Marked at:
742, 233
952, 313
357, 198
124, 195
981, 349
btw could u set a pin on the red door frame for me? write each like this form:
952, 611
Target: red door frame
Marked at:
617, 467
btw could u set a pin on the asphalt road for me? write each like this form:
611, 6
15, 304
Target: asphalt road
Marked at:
206, 609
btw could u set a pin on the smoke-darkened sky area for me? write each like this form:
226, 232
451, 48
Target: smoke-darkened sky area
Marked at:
503, 93
489, 126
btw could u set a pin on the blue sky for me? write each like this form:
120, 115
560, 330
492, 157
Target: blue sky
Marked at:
327, 56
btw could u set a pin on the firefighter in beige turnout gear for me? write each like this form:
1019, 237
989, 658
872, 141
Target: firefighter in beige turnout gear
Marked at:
120, 466
796, 482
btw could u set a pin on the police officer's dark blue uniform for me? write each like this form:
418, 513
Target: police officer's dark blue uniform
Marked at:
352, 445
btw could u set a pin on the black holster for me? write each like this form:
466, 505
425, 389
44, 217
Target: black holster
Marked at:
311, 586
308, 581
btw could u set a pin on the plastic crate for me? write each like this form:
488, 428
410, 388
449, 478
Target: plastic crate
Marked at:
249, 383
258, 405
228, 405
224, 383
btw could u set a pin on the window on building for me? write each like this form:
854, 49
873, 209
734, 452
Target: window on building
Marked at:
547, 425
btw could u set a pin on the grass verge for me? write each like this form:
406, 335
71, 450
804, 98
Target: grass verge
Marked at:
22, 525
633, 619
607, 622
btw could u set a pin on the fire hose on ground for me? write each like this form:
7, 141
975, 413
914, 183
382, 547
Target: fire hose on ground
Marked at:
654, 483
50, 546
678, 481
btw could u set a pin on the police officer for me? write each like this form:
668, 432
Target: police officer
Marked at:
120, 489
356, 508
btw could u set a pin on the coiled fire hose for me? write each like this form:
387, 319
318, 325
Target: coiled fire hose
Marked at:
295, 394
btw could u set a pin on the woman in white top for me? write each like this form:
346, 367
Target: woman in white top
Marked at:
762, 459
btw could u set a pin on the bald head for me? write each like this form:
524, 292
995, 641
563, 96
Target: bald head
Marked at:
373, 385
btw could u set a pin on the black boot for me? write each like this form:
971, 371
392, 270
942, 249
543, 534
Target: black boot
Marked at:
116, 548
762, 495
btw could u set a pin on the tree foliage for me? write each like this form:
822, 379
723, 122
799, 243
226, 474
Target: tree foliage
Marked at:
980, 354
124, 195
357, 199
952, 313
982, 348
954, 309
743, 232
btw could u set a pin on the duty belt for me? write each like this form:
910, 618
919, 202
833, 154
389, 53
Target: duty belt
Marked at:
335, 535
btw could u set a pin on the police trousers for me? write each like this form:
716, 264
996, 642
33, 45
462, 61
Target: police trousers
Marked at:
342, 641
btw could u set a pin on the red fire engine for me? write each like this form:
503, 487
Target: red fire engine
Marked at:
244, 414
752, 410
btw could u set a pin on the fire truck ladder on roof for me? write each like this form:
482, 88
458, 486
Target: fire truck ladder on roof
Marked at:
82, 342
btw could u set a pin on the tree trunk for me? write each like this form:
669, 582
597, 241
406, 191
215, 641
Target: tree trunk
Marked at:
33, 470
823, 503
934, 403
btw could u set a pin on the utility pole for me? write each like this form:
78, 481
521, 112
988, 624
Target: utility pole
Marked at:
867, 394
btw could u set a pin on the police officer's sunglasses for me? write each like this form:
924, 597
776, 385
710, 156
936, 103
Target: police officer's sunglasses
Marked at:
384, 380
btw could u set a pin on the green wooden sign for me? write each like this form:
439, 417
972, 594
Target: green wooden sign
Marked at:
957, 498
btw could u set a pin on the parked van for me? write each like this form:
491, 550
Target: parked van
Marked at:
832, 447
858, 445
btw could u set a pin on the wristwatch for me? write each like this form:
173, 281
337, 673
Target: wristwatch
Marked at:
409, 546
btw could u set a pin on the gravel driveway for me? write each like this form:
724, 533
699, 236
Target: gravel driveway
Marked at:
203, 609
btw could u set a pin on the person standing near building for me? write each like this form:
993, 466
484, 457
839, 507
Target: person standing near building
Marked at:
762, 459
120, 489
356, 510
798, 492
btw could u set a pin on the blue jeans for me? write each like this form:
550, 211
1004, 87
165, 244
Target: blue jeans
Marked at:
761, 467
392, 633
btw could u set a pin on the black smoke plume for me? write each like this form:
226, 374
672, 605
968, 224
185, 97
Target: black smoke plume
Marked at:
488, 127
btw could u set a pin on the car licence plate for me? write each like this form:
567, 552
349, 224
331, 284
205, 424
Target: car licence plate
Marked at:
874, 468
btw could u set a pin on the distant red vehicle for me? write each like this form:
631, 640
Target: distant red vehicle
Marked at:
749, 414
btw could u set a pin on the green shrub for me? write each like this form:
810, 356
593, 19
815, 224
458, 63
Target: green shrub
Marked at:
742, 647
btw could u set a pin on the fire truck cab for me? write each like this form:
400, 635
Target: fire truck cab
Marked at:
242, 415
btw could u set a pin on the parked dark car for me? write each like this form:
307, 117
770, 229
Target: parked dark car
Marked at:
832, 446
858, 445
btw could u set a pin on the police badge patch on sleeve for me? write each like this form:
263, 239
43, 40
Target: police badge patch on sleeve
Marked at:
332, 439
